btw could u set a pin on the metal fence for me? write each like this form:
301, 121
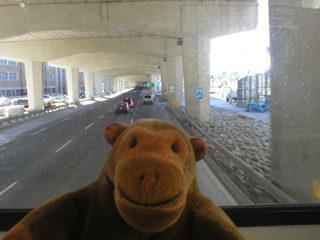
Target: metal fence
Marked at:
254, 89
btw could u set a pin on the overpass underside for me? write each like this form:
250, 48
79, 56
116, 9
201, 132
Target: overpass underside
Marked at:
114, 43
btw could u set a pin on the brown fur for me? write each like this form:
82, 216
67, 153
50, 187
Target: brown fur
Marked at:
146, 190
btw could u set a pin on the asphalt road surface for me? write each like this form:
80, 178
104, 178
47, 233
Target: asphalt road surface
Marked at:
63, 151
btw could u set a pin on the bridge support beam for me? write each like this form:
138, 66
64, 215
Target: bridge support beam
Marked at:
73, 84
154, 81
295, 112
34, 76
175, 79
196, 69
108, 80
88, 84
164, 79
98, 84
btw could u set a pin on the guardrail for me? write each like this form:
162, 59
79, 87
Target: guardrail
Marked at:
273, 190
31, 113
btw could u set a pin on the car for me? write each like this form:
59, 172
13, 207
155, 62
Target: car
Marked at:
122, 107
129, 101
4, 101
234, 98
147, 99
58, 99
82, 94
48, 101
22, 101
64, 96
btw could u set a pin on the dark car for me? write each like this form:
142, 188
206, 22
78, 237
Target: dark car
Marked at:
122, 107
129, 101
22, 101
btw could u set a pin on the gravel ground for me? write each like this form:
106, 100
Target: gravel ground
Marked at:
247, 138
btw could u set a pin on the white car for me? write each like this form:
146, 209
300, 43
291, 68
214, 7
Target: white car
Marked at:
147, 99
4, 101
59, 100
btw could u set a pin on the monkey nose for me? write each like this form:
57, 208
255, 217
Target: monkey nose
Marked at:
148, 181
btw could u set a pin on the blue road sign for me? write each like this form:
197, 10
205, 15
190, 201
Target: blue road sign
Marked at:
199, 93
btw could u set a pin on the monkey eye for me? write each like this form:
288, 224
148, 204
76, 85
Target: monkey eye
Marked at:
174, 148
133, 143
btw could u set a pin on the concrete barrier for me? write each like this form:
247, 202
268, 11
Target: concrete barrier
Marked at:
11, 111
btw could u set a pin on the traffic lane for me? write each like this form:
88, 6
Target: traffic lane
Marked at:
72, 163
44, 181
62, 128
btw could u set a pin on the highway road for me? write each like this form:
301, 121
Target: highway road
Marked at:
62, 151
65, 150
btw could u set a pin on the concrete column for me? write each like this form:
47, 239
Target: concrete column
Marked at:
311, 3
98, 84
120, 84
106, 85
88, 84
117, 84
111, 85
164, 79
175, 79
72, 75
33, 73
294, 103
196, 71
154, 81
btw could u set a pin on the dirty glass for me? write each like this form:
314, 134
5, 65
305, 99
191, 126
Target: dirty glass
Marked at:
242, 75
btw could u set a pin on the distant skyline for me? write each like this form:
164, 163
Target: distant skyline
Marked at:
245, 51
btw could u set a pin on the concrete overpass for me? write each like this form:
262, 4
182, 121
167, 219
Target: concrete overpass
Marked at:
114, 42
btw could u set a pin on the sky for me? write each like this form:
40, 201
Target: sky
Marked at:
243, 52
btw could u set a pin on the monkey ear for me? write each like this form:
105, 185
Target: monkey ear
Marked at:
112, 132
199, 147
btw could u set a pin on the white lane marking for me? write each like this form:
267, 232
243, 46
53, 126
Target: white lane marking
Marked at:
134, 113
3, 148
38, 131
8, 188
110, 110
65, 119
131, 120
102, 116
63, 146
89, 126
80, 112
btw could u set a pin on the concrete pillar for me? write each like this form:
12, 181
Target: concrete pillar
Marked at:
175, 79
154, 81
295, 111
196, 71
98, 84
164, 79
33, 73
88, 84
106, 81
311, 3
73, 84
120, 84
111, 85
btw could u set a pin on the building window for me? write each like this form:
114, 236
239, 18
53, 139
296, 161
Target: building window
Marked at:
7, 62
49, 77
13, 76
12, 63
3, 76
47, 66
